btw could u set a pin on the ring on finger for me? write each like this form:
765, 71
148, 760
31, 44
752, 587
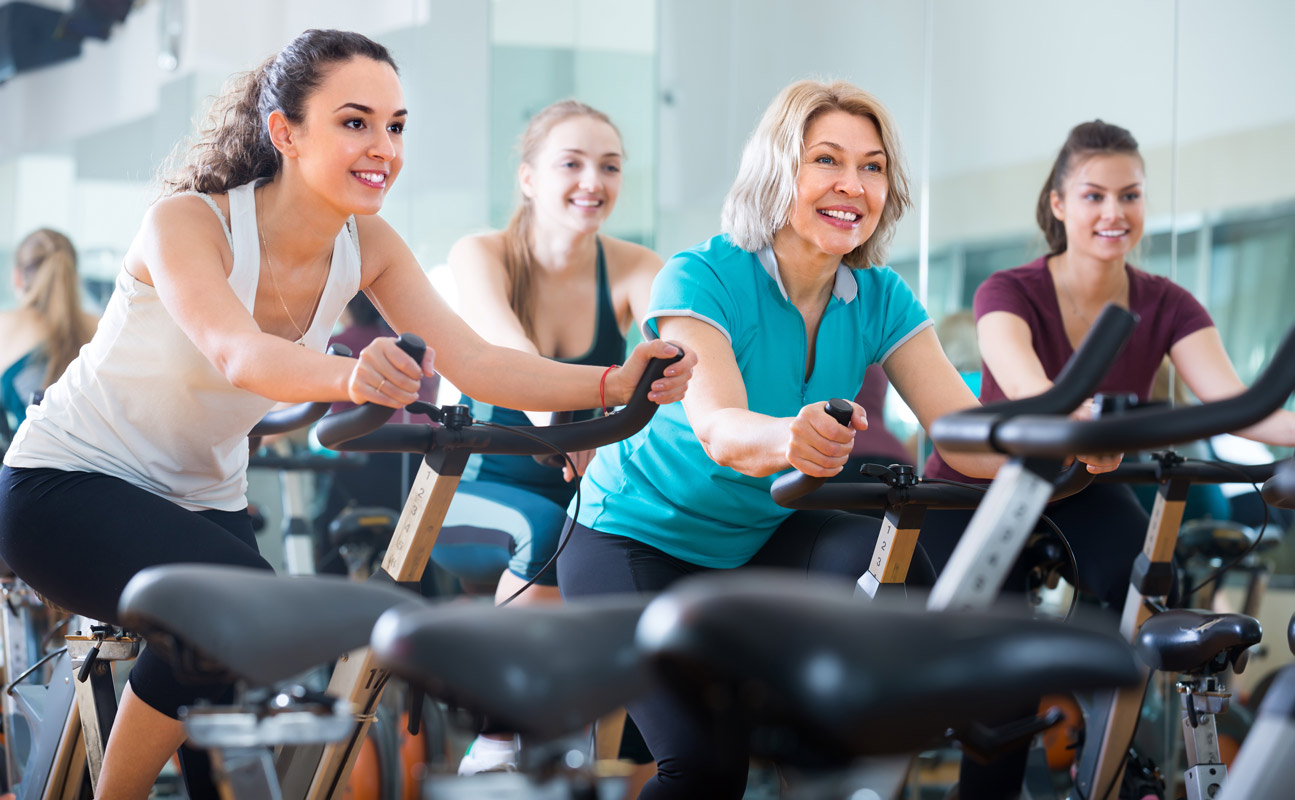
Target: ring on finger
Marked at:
382, 383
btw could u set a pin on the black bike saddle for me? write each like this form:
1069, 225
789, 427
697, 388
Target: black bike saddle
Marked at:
1220, 539
804, 662
233, 623
540, 672
1187, 641
366, 526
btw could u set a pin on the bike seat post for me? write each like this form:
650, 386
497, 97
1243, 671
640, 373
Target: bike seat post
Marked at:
1201, 698
91, 659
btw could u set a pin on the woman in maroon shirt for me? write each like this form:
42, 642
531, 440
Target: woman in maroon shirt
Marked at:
1029, 320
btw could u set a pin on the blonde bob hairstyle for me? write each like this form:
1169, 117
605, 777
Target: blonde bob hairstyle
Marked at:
759, 203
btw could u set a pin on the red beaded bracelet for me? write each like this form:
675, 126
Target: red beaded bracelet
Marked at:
602, 388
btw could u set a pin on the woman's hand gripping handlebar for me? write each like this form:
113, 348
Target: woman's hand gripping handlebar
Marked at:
296, 416
976, 430
1154, 427
797, 490
362, 428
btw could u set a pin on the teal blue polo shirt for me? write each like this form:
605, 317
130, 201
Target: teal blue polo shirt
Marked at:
659, 487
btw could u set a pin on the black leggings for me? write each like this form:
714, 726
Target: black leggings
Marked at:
78, 537
690, 762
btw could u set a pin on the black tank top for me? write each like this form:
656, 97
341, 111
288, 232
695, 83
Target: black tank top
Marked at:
523, 471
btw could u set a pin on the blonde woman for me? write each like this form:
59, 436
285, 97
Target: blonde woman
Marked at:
785, 309
42, 336
551, 284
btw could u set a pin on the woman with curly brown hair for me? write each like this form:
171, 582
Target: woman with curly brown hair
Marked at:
137, 456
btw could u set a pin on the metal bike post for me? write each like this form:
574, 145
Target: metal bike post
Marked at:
995, 537
316, 772
1101, 768
96, 695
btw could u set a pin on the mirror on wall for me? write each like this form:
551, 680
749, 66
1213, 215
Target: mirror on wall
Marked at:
983, 95
542, 53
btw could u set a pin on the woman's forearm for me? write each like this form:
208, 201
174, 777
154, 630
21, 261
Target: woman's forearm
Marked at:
753, 444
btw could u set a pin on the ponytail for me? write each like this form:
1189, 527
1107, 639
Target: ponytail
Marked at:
46, 264
518, 257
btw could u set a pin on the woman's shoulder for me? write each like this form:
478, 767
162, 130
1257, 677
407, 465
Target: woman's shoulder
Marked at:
488, 247
190, 210
1150, 290
1150, 281
716, 252
1028, 278
625, 258
1029, 272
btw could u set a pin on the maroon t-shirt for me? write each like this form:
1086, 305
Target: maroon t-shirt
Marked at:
1166, 313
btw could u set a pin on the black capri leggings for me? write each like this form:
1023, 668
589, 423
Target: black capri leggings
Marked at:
78, 537
690, 762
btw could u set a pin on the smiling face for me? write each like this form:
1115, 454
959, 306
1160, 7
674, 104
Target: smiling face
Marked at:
349, 147
575, 176
841, 187
1102, 206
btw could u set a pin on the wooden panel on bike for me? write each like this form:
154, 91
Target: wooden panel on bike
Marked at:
1166, 517
608, 732
420, 521
1102, 767
358, 678
895, 544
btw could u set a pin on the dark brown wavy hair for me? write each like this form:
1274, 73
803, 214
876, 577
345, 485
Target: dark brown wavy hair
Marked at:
233, 146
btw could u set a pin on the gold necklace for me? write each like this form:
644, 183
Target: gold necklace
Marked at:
319, 293
1065, 287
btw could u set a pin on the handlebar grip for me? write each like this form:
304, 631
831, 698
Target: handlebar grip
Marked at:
795, 484
1279, 490
302, 414
974, 430
840, 410
355, 422
614, 427
413, 346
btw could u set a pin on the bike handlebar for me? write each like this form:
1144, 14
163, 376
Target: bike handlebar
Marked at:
300, 415
799, 491
1279, 490
976, 430
1147, 429
1194, 471
362, 429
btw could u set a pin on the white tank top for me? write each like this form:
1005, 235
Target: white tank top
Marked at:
143, 404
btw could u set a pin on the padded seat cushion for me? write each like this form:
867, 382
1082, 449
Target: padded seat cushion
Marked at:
1188, 641
254, 625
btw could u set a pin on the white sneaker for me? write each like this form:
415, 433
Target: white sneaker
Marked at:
489, 755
